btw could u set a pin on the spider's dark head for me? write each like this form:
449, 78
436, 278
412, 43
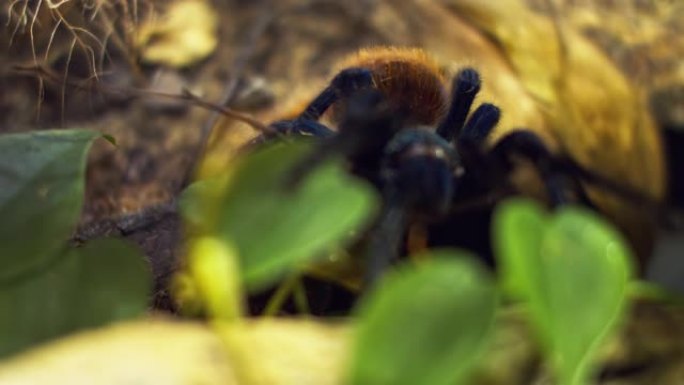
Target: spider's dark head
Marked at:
424, 169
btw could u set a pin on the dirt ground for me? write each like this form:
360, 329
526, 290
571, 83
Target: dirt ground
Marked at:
269, 58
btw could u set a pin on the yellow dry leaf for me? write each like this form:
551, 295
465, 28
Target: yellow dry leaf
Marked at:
594, 113
184, 34
157, 351
528, 41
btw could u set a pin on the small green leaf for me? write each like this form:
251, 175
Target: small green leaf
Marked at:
41, 193
276, 230
576, 277
102, 282
424, 325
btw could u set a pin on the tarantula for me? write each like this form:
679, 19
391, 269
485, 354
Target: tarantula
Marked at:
420, 148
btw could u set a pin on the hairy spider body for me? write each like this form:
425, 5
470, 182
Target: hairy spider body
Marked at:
409, 78
424, 150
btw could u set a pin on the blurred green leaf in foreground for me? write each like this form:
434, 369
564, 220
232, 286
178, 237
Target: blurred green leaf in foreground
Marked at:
46, 288
276, 230
573, 269
424, 324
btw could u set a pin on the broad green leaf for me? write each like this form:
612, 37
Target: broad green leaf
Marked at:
102, 282
577, 279
273, 229
586, 271
518, 230
41, 193
424, 325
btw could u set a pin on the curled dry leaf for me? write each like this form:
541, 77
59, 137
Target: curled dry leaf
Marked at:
595, 113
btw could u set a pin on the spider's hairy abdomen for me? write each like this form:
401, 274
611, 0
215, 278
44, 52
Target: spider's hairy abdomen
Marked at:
410, 78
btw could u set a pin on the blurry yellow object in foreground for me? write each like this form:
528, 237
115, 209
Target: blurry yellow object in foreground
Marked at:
210, 282
177, 353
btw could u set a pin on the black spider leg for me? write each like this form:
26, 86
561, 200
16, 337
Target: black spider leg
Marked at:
284, 129
469, 136
351, 85
465, 87
480, 176
562, 175
557, 180
368, 124
478, 184
480, 125
343, 84
482, 172
659, 212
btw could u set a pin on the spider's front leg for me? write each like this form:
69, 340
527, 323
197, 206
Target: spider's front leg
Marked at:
343, 85
476, 188
465, 86
352, 85
368, 124
454, 127
468, 135
486, 171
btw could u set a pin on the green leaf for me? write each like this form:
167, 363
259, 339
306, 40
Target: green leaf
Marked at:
518, 228
102, 282
577, 279
41, 194
276, 230
424, 325
587, 268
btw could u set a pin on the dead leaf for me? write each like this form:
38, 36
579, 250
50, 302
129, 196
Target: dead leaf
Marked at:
183, 35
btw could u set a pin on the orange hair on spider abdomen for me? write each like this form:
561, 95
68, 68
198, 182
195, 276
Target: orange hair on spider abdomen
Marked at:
409, 77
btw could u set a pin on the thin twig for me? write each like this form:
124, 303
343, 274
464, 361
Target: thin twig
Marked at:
41, 72
229, 112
